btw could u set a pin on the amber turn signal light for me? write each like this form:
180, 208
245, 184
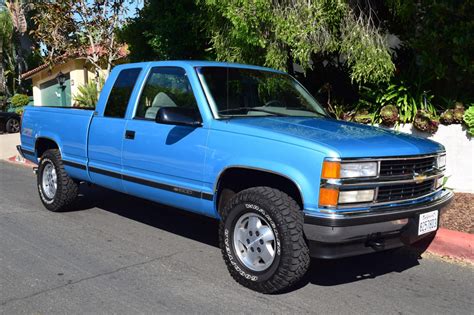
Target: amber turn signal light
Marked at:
328, 197
331, 169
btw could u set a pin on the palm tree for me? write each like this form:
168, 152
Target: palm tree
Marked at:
13, 34
17, 9
6, 33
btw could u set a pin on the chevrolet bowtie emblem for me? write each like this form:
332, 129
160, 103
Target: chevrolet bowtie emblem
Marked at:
419, 178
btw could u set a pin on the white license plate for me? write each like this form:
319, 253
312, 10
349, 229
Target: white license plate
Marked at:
428, 222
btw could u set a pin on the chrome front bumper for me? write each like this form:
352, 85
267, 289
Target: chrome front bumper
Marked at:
349, 235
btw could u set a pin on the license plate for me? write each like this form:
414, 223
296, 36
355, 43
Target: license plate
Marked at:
428, 222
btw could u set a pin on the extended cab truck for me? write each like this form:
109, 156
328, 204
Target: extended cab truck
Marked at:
251, 147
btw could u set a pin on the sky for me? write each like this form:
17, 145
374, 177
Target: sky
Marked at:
132, 8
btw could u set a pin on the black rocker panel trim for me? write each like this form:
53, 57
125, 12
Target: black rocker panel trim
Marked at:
175, 189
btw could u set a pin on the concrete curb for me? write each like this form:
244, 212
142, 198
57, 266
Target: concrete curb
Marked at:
454, 244
20, 161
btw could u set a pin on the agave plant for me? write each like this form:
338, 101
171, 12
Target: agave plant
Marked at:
458, 112
424, 121
88, 94
389, 115
447, 117
363, 117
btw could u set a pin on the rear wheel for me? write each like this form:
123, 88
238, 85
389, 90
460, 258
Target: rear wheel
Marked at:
261, 238
56, 189
12, 125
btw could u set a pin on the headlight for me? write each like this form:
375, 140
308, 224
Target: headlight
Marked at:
336, 169
365, 169
441, 161
353, 196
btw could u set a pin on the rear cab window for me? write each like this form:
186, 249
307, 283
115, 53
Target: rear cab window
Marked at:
120, 93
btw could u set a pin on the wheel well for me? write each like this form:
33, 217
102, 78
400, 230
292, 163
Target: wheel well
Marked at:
44, 144
234, 180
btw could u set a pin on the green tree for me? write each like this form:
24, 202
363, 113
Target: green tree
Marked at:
438, 44
167, 29
6, 33
278, 33
82, 27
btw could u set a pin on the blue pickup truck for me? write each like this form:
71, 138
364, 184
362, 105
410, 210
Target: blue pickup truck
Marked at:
251, 147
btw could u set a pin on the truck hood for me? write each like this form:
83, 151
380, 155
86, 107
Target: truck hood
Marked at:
335, 137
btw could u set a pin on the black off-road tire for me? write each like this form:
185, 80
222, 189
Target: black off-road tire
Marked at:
67, 189
292, 258
12, 125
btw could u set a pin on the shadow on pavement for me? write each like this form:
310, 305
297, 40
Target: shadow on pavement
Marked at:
203, 229
184, 223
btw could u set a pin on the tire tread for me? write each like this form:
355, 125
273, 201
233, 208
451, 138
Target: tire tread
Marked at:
295, 262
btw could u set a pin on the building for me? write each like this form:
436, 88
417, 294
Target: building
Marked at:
57, 84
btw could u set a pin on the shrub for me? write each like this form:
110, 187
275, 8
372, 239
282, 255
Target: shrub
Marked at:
458, 113
447, 117
389, 115
20, 100
424, 121
469, 119
363, 117
88, 94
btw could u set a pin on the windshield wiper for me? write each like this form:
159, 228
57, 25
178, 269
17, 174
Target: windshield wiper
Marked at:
237, 109
307, 110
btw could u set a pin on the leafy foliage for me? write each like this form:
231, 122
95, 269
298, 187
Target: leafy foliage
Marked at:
389, 115
278, 33
447, 117
88, 94
424, 121
20, 100
399, 95
81, 27
6, 32
440, 36
469, 119
167, 29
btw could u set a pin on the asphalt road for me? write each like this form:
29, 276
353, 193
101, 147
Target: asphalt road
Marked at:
119, 254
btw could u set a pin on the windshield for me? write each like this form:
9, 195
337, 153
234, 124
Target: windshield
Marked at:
249, 92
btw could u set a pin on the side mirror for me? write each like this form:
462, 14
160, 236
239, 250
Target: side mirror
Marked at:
180, 116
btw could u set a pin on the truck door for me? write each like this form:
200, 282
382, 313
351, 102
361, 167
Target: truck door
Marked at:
107, 131
164, 162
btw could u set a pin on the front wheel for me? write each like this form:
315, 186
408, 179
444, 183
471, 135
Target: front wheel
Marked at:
56, 189
261, 238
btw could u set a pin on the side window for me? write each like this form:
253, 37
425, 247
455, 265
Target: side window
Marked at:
165, 87
120, 94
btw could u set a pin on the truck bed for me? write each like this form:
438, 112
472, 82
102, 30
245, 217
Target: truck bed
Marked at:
51, 123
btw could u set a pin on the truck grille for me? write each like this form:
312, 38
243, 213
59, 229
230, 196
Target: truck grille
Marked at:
401, 167
404, 191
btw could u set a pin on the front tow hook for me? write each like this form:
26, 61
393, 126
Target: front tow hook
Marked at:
376, 242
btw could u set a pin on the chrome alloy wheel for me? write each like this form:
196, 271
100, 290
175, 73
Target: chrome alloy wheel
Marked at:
254, 242
49, 180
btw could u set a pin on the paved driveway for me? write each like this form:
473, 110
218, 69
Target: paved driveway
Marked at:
119, 254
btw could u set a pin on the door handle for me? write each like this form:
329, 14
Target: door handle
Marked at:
129, 134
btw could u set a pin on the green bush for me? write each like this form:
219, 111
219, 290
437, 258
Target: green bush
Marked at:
20, 100
88, 94
389, 115
469, 119
424, 121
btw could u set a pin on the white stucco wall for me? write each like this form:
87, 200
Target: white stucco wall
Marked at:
459, 154
75, 68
